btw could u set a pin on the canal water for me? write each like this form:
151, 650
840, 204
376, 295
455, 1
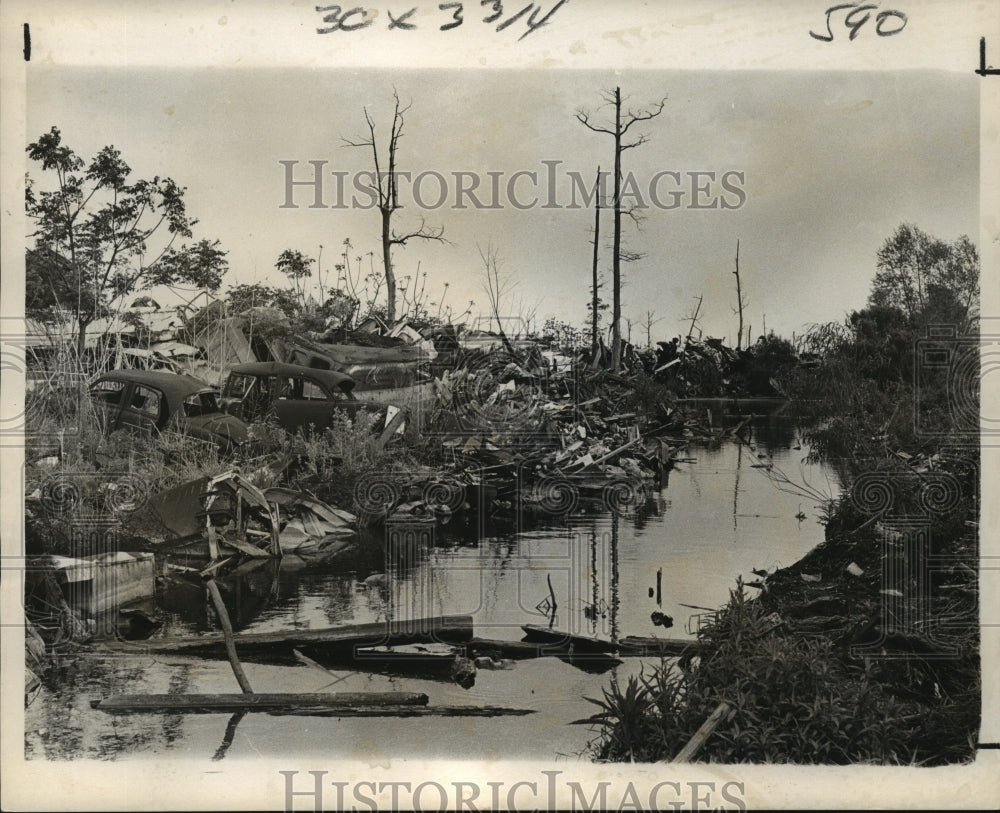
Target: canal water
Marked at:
675, 555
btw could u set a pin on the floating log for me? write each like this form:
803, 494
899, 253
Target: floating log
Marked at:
411, 711
228, 703
507, 649
722, 713
433, 661
311, 705
457, 628
554, 642
639, 645
594, 663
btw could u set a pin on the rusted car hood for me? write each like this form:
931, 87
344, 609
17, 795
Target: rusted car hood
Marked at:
219, 425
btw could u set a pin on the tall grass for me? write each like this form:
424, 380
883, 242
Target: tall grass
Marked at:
797, 699
330, 462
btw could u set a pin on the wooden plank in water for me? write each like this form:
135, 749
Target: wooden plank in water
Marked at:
227, 703
507, 649
640, 645
444, 628
412, 711
311, 705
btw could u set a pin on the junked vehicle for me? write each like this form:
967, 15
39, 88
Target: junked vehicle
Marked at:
150, 401
299, 397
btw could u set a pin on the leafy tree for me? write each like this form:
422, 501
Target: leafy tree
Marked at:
243, 297
100, 235
297, 267
861, 382
340, 307
926, 277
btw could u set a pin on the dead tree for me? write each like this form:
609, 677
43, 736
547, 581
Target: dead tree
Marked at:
386, 190
740, 301
649, 321
498, 288
597, 232
622, 124
694, 320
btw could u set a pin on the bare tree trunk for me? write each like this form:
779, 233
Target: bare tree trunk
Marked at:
81, 339
385, 186
618, 133
616, 267
597, 233
739, 297
390, 277
693, 320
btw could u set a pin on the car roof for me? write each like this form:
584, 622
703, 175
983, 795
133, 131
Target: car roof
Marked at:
331, 378
173, 384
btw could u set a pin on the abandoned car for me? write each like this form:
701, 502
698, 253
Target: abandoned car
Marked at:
299, 397
150, 401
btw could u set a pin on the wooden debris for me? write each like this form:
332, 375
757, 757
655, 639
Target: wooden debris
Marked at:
508, 649
310, 662
412, 711
558, 638
722, 713
449, 627
228, 703
639, 645
227, 631
390, 429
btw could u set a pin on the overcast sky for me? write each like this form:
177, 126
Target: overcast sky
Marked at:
831, 164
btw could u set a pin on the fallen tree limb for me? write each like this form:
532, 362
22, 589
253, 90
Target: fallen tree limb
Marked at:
722, 713
227, 631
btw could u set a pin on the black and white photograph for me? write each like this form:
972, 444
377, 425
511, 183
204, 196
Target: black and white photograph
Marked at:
499, 405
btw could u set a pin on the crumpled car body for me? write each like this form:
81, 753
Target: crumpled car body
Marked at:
149, 401
300, 398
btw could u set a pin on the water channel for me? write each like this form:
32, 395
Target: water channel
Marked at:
712, 520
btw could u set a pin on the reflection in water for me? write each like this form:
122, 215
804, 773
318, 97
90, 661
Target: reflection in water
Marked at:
595, 587
736, 487
607, 573
584, 572
615, 598
245, 591
229, 736
172, 724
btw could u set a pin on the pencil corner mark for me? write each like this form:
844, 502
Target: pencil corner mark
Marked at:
983, 70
